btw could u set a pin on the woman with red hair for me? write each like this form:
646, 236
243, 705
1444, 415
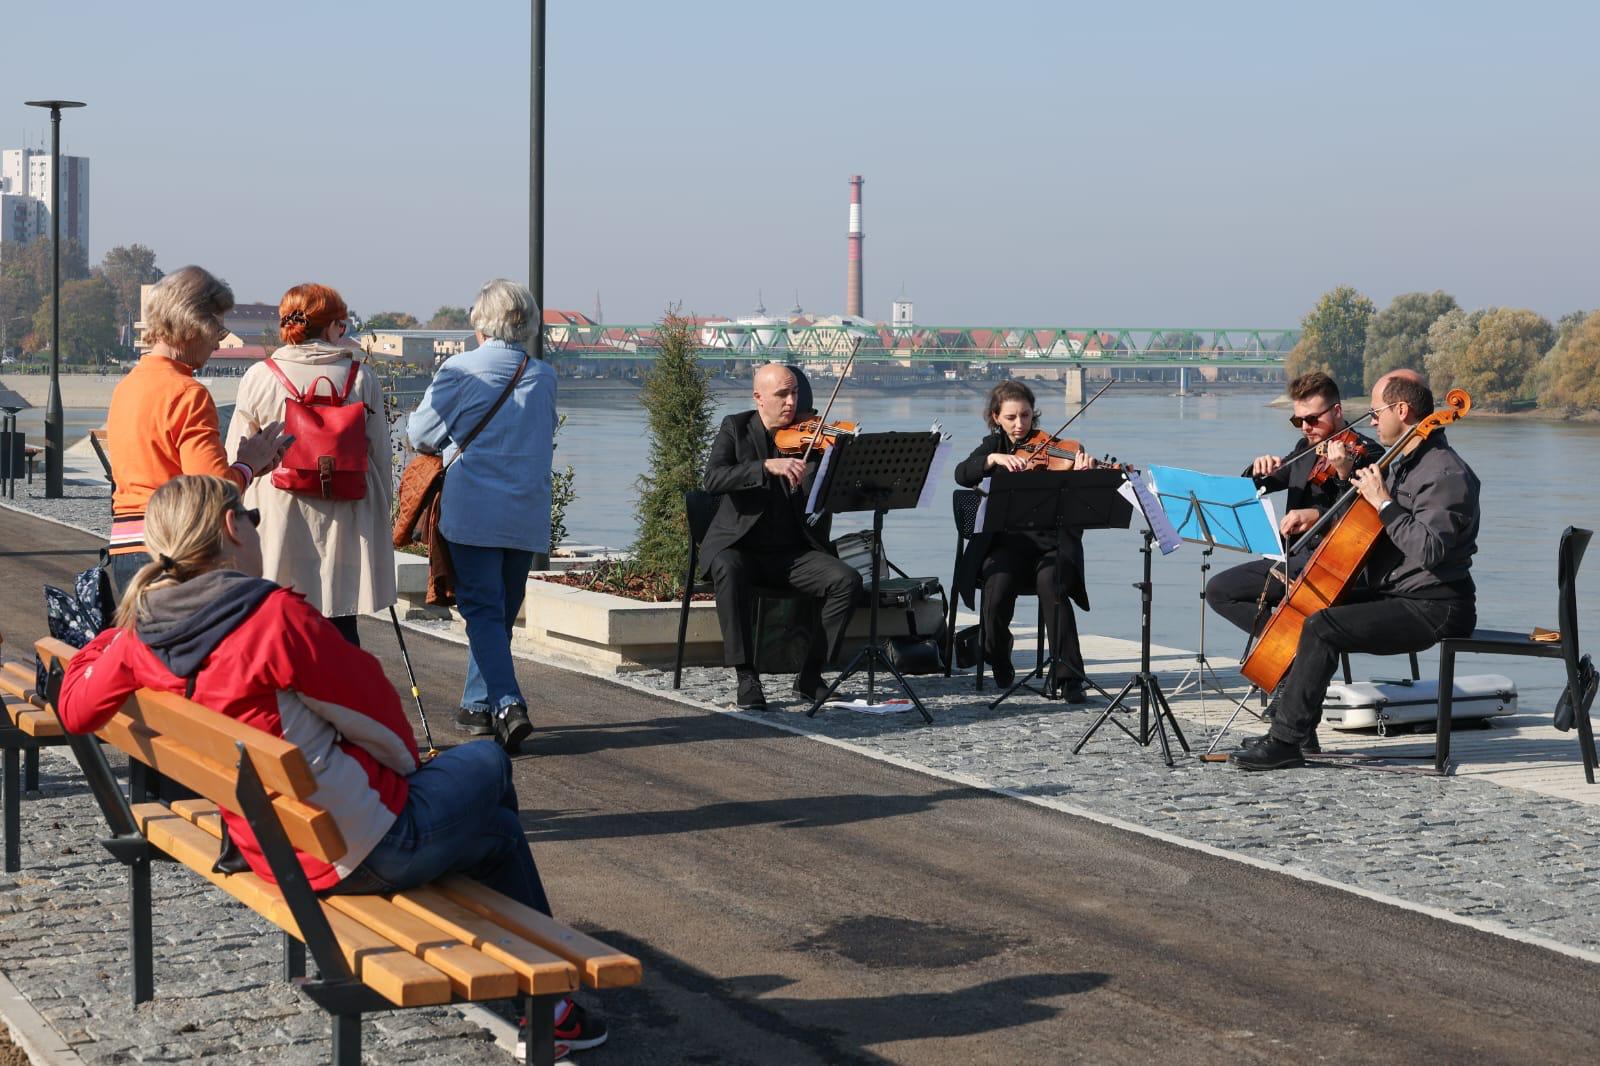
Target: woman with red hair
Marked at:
331, 545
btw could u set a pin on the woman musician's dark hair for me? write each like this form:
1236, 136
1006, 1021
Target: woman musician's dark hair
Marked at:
1003, 393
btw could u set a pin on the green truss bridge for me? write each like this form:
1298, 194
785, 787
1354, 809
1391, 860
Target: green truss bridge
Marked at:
946, 346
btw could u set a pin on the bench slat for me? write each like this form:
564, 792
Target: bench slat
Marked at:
281, 766
472, 974
540, 972
532, 969
392, 972
40, 724
310, 829
600, 965
17, 681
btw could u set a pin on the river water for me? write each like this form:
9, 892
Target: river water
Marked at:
1532, 473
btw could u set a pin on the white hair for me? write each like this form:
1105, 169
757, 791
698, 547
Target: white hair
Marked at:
186, 305
504, 311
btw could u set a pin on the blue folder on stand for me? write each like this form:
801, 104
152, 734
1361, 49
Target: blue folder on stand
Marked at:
1213, 509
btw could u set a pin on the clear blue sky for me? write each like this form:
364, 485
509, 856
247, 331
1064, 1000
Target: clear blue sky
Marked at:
1054, 163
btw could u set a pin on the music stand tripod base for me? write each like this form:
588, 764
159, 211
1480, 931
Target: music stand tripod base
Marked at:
1155, 714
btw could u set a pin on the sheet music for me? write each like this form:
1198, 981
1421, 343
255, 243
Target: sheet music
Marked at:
1135, 492
1272, 517
935, 472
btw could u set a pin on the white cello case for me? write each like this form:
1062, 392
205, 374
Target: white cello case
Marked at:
1377, 705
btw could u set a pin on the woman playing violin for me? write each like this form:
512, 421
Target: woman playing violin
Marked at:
1008, 564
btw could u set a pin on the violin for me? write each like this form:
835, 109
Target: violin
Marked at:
1045, 452
811, 435
1322, 469
1338, 560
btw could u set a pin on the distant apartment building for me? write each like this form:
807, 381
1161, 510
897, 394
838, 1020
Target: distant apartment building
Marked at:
424, 348
25, 204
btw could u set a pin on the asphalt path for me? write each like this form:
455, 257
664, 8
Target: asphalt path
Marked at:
793, 903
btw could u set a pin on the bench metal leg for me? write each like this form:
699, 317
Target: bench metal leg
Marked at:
139, 932
1441, 729
30, 770
539, 1029
13, 810
294, 958
138, 782
347, 1040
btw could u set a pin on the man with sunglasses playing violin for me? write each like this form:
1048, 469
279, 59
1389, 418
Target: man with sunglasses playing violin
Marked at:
760, 536
1246, 594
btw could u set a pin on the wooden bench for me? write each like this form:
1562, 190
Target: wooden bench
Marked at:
26, 725
452, 941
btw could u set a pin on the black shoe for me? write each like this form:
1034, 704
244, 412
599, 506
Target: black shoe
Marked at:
1270, 754
810, 689
473, 723
1073, 692
1004, 672
511, 727
750, 697
1310, 747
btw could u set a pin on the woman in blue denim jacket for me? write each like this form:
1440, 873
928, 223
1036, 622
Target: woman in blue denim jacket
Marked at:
495, 510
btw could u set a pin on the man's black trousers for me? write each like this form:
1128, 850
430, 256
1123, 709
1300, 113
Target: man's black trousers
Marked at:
736, 571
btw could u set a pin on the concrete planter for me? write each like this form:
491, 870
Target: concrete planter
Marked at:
602, 633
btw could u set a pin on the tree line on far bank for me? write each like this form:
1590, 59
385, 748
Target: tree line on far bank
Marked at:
1505, 357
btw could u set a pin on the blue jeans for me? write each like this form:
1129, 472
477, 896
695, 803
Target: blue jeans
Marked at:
460, 817
490, 585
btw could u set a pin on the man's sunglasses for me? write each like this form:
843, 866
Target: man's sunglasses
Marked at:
1299, 420
251, 513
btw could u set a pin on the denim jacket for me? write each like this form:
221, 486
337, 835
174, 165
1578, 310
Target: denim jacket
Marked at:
497, 495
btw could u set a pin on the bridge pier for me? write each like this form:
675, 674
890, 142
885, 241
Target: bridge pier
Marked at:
1077, 379
1183, 381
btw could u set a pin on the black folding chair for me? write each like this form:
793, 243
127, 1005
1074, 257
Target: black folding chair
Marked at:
699, 507
964, 503
1581, 675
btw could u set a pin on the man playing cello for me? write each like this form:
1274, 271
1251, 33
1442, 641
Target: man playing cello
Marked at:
759, 536
1419, 572
1246, 594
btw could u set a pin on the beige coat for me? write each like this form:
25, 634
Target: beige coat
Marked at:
336, 553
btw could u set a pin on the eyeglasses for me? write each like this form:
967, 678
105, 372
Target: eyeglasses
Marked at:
1385, 407
252, 514
1299, 420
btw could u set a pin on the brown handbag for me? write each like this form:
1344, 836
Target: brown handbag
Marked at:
421, 491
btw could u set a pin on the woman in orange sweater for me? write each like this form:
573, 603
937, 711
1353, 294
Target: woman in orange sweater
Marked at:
163, 422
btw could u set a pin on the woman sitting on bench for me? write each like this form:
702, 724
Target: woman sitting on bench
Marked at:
200, 621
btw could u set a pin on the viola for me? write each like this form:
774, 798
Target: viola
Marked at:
812, 435
1322, 470
1333, 567
1045, 452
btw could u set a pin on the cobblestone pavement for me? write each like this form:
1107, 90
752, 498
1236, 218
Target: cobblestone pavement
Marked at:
219, 989
1525, 861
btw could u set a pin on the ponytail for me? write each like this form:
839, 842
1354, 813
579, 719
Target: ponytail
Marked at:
183, 530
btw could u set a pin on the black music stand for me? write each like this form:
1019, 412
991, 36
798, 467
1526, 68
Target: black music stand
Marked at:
1154, 712
1054, 501
877, 472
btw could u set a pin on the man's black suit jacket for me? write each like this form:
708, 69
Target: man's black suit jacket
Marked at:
735, 471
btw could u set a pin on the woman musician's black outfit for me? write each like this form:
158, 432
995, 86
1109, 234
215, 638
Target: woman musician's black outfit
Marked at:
1008, 564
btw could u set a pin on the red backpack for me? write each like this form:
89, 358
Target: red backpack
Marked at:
328, 458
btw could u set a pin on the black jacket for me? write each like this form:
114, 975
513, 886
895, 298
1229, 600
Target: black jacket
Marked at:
734, 471
969, 473
1431, 528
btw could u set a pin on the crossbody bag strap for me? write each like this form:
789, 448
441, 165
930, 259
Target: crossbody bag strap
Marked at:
504, 395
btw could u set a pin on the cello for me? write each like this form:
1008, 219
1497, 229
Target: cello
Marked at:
1334, 564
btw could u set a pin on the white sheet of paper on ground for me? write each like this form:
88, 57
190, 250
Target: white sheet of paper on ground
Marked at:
886, 707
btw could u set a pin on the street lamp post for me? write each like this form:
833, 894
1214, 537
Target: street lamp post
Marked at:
53, 416
536, 175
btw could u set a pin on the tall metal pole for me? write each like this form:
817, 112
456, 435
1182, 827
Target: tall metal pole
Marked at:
536, 176
53, 414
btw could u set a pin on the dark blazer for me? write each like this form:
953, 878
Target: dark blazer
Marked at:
1293, 477
970, 472
734, 471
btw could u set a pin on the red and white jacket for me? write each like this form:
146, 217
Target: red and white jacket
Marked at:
268, 659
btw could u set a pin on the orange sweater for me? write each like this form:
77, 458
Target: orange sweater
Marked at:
162, 423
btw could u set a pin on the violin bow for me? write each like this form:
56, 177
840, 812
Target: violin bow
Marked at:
1085, 407
1313, 449
822, 420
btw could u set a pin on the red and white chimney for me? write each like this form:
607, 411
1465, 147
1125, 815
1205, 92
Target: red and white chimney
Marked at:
853, 302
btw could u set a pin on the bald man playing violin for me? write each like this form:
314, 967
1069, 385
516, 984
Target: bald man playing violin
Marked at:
760, 536
1419, 573
1246, 594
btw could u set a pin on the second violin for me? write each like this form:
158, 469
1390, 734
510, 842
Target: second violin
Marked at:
813, 434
